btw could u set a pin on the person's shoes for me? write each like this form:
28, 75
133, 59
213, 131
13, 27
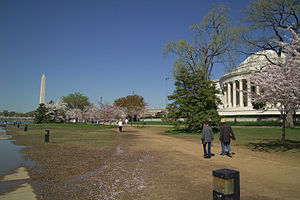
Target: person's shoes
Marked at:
232, 153
229, 155
207, 156
212, 154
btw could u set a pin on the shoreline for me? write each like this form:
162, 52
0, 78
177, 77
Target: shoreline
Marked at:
17, 185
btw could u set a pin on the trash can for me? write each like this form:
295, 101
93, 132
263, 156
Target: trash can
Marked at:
226, 184
47, 135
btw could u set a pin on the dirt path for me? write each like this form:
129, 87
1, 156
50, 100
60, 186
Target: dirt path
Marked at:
177, 170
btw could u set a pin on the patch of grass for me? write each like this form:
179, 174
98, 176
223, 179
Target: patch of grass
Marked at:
150, 123
277, 145
256, 134
260, 123
268, 139
257, 138
82, 135
181, 132
71, 126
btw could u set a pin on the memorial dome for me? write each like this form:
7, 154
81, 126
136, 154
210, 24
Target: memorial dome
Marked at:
236, 87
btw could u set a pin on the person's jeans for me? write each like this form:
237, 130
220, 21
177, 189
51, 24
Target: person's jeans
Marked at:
227, 145
208, 153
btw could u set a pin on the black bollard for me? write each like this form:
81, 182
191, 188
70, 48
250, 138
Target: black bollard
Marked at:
47, 135
226, 184
25, 129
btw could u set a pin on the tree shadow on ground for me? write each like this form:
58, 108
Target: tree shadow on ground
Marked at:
276, 145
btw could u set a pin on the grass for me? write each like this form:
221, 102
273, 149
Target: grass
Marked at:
88, 136
259, 138
259, 123
150, 123
95, 136
255, 123
268, 139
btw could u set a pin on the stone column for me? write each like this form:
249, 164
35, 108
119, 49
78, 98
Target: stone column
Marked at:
248, 93
225, 96
241, 93
257, 90
233, 94
229, 94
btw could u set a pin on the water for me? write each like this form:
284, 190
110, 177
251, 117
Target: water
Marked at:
15, 121
10, 155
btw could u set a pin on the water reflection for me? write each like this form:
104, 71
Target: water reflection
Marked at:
10, 154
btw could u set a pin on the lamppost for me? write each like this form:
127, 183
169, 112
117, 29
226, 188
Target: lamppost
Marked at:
167, 78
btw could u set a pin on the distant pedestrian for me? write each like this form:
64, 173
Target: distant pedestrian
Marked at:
126, 121
225, 134
207, 138
120, 124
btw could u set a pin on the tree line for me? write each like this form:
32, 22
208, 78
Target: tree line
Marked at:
77, 108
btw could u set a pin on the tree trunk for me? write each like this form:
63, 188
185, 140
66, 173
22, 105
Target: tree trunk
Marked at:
289, 120
283, 127
294, 117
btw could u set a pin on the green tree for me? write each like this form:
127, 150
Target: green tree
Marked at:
214, 42
76, 101
132, 105
41, 114
195, 97
194, 100
5, 113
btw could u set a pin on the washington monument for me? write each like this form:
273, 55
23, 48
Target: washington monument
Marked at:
42, 94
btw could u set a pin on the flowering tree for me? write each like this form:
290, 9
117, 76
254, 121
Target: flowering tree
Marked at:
74, 114
56, 111
109, 112
91, 112
278, 82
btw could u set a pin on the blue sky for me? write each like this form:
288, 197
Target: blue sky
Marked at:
100, 48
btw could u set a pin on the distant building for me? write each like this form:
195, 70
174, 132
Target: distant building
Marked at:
154, 112
237, 104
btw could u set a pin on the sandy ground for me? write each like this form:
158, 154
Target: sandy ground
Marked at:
147, 164
17, 185
182, 173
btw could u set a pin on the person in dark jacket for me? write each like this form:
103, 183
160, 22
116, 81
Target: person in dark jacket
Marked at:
225, 134
207, 138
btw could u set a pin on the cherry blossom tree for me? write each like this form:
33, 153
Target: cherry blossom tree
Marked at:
109, 112
91, 112
279, 81
56, 111
74, 114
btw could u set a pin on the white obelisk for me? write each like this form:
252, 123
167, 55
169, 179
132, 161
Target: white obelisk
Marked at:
42, 94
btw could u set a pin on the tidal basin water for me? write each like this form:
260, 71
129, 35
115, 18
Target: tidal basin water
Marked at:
10, 154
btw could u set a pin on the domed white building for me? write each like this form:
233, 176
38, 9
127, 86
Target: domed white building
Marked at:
236, 103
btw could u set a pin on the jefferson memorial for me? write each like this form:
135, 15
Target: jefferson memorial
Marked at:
236, 103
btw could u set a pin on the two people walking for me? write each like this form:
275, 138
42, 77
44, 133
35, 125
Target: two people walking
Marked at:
207, 138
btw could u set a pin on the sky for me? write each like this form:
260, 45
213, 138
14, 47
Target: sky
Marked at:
100, 48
